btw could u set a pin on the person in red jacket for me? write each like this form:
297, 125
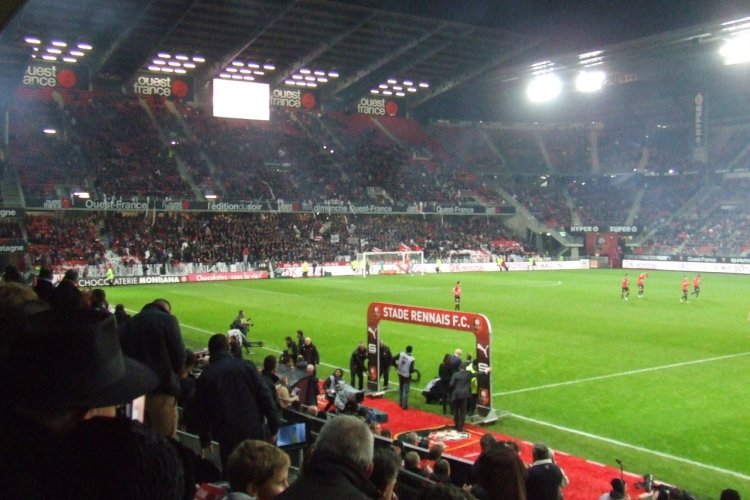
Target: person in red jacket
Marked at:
685, 288
697, 285
641, 283
625, 287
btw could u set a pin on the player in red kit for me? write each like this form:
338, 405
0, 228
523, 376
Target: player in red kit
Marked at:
641, 283
457, 296
625, 292
685, 288
697, 285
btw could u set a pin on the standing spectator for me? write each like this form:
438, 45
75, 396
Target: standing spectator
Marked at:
291, 351
309, 388
300, 341
445, 372
339, 466
386, 361
385, 466
357, 365
310, 353
67, 295
232, 401
44, 287
545, 479
460, 386
257, 469
153, 337
99, 300
501, 473
120, 315
405, 367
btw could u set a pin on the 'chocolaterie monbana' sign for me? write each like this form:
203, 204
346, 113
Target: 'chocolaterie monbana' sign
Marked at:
333, 207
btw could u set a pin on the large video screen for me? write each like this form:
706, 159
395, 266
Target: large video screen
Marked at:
244, 100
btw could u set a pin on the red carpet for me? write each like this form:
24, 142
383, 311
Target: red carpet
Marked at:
588, 480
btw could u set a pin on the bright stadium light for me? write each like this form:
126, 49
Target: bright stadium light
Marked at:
544, 88
736, 50
590, 81
32, 40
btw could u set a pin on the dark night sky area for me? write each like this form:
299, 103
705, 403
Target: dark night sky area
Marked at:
572, 25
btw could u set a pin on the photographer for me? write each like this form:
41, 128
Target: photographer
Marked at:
347, 398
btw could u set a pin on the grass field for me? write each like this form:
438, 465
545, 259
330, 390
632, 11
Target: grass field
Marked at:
662, 386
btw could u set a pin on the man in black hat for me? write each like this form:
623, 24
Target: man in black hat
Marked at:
153, 337
79, 374
232, 400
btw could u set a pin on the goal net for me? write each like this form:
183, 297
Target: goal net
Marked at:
410, 262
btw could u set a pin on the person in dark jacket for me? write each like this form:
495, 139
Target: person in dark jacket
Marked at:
44, 288
460, 388
357, 365
153, 337
340, 465
545, 479
67, 295
232, 400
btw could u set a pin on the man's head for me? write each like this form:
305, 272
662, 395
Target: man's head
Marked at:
218, 343
385, 466
361, 346
310, 370
45, 273
269, 363
163, 304
258, 469
409, 349
486, 440
411, 460
308, 341
71, 275
241, 314
458, 353
540, 451
349, 439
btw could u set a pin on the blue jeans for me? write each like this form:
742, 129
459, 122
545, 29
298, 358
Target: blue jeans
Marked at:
404, 384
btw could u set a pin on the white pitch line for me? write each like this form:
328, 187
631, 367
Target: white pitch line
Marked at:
641, 449
620, 374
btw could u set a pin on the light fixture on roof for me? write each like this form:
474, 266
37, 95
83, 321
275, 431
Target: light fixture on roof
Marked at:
77, 53
69, 59
49, 131
400, 94
181, 57
163, 55
590, 81
160, 62
248, 78
269, 67
259, 72
239, 64
49, 57
85, 46
174, 64
374, 91
297, 77
304, 71
411, 89
408, 83
333, 74
199, 59
188, 65
153, 67
290, 82
383, 86
225, 75
736, 50
32, 40
59, 43
311, 84
392, 81
167, 69
310, 78
246, 71
232, 70
387, 92
180, 71
398, 87
253, 65
322, 79
424, 85
54, 50
319, 72
544, 88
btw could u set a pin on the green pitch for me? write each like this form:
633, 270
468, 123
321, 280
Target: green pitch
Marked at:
659, 384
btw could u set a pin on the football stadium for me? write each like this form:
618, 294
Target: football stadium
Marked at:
374, 249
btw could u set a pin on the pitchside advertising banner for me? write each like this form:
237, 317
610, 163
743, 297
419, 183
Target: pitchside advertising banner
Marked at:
170, 86
44, 75
602, 228
124, 204
163, 279
473, 323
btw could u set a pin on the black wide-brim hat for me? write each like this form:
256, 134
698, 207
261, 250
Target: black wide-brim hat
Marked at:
66, 359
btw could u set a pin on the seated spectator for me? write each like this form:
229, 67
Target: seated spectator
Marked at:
120, 315
340, 465
257, 469
441, 471
99, 300
385, 466
411, 464
79, 374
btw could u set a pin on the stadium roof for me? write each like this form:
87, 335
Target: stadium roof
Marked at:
365, 46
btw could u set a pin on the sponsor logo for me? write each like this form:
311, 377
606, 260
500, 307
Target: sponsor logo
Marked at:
454, 210
43, 75
369, 209
447, 434
148, 280
53, 204
235, 207
11, 248
164, 86
374, 106
11, 212
116, 205
175, 205
287, 98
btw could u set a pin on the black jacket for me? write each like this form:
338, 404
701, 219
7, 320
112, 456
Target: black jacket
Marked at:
331, 478
153, 337
232, 400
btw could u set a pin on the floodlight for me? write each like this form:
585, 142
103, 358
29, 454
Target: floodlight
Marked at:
408, 83
225, 75
383, 85
397, 87
736, 50
297, 77
259, 72
48, 57
181, 71
387, 92
174, 64
167, 69
310, 78
374, 91
269, 67
319, 72
84, 195
322, 79
246, 71
231, 70
333, 74
304, 71
544, 88
400, 94
154, 68
50, 131
424, 85
76, 53
53, 50
411, 89
290, 82
253, 65
391, 81
248, 78
590, 81
69, 59
59, 43
181, 57
188, 65
32, 40
236, 77
239, 64
210, 196
163, 55
199, 59
85, 46
311, 84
